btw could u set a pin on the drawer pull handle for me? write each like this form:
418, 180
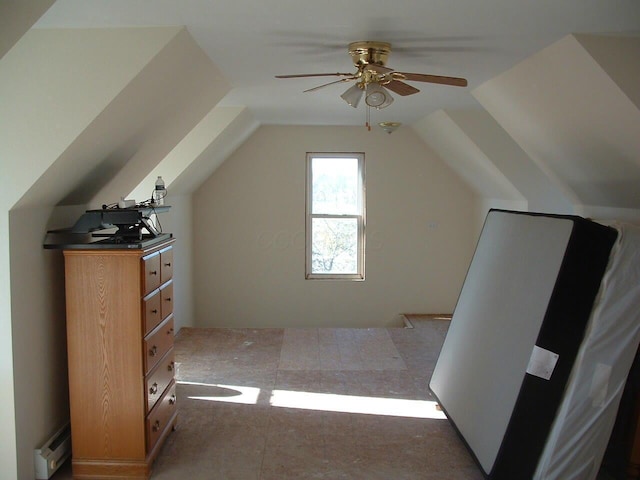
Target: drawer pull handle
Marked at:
167, 264
154, 311
170, 331
153, 351
171, 366
168, 299
154, 389
153, 272
172, 400
156, 426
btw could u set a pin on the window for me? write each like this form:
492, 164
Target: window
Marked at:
335, 216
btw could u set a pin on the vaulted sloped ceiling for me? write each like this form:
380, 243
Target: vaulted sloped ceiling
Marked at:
573, 109
187, 87
59, 82
16, 17
542, 194
619, 56
159, 103
203, 150
457, 149
559, 132
472, 143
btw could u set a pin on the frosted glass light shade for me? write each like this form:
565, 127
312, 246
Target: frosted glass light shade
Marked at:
377, 96
352, 95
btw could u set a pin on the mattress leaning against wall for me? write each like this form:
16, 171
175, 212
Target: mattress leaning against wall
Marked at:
515, 333
584, 422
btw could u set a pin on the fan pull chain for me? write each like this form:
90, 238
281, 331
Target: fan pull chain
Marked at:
368, 119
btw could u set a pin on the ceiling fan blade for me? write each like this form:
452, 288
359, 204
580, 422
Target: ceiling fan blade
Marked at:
401, 88
327, 84
421, 77
302, 75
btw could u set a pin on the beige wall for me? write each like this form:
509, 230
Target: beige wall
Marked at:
249, 223
39, 335
178, 221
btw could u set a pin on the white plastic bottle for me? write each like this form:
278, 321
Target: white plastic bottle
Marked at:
159, 192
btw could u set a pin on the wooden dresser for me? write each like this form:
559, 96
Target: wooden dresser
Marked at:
121, 363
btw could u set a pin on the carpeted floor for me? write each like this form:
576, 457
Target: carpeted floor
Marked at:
263, 404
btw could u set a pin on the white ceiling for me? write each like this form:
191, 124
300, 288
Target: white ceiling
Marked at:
252, 41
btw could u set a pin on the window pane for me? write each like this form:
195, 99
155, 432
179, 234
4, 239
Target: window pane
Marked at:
335, 186
334, 245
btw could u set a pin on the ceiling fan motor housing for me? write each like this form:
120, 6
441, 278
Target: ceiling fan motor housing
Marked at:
369, 53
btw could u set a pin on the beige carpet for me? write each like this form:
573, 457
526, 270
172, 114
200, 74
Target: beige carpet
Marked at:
339, 349
334, 404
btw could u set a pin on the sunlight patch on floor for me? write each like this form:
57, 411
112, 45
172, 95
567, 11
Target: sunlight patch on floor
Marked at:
331, 402
327, 402
225, 393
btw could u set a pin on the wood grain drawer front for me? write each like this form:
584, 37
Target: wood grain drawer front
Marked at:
166, 264
152, 311
151, 273
157, 344
160, 417
166, 294
159, 379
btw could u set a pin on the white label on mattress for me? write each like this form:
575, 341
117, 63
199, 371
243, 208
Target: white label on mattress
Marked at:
542, 362
600, 385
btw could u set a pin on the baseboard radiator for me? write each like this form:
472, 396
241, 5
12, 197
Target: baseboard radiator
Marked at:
53, 453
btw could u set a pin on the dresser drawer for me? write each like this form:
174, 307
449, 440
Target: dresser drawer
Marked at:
160, 417
152, 311
166, 264
150, 273
166, 294
157, 344
159, 379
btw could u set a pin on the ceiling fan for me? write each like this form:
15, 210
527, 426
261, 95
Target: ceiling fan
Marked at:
373, 77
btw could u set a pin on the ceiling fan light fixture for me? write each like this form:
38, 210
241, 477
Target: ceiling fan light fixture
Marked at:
353, 95
388, 101
389, 127
377, 96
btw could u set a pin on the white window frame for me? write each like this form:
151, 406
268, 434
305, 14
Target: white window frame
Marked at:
359, 275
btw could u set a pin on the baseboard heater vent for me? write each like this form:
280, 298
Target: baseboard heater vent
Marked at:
53, 453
